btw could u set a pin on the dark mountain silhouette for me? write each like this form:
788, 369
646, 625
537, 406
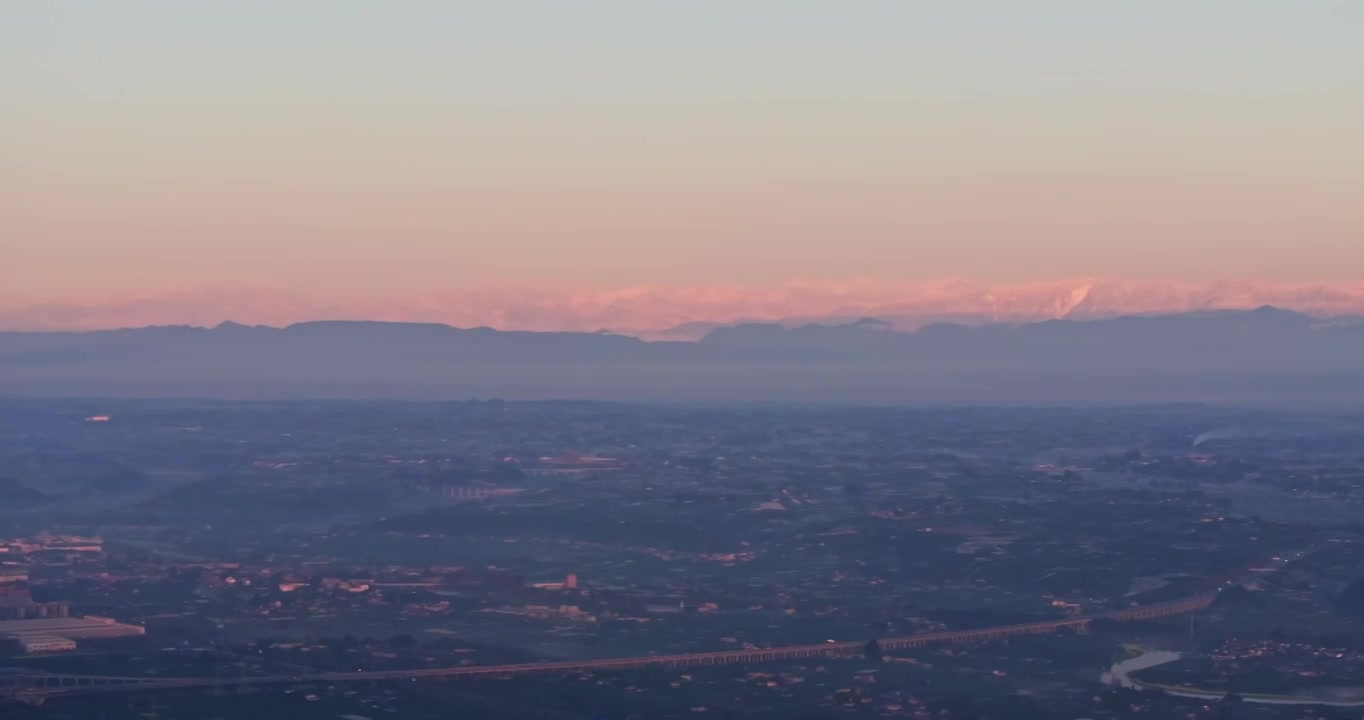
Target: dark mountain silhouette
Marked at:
1350, 601
16, 495
1263, 355
1266, 338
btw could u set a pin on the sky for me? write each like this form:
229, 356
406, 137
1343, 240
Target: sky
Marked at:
364, 153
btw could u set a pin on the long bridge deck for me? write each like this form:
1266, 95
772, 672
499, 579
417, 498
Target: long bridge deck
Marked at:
36, 687
49, 685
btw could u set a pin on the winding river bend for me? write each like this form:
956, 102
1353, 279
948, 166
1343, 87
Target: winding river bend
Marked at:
1121, 673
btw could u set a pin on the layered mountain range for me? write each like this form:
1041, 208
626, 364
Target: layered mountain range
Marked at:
687, 313
1255, 356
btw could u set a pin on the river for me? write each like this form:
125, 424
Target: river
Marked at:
1120, 673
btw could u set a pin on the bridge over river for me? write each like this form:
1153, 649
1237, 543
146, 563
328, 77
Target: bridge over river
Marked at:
37, 687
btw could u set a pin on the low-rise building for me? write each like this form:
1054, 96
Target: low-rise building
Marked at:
43, 643
61, 634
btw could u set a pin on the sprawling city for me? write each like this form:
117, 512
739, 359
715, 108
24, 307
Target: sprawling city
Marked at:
514, 560
621, 360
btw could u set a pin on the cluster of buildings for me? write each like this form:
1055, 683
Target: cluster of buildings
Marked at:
43, 627
51, 543
47, 626
570, 583
572, 464
60, 634
17, 604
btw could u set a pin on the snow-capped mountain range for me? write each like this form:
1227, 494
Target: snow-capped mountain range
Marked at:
683, 313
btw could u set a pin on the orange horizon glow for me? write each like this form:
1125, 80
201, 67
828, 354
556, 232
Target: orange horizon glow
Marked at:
395, 162
650, 310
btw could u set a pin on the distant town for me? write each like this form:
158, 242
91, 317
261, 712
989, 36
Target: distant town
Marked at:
589, 560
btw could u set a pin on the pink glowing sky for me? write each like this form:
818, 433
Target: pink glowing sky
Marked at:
666, 312
622, 164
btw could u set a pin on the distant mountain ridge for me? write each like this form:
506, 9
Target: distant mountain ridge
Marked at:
1268, 351
1266, 337
685, 313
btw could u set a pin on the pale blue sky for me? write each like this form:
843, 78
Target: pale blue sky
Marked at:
418, 145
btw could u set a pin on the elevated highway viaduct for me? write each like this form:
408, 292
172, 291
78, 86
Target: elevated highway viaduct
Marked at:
52, 685
36, 687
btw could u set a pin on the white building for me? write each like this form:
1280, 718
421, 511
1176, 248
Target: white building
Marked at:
61, 634
41, 643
